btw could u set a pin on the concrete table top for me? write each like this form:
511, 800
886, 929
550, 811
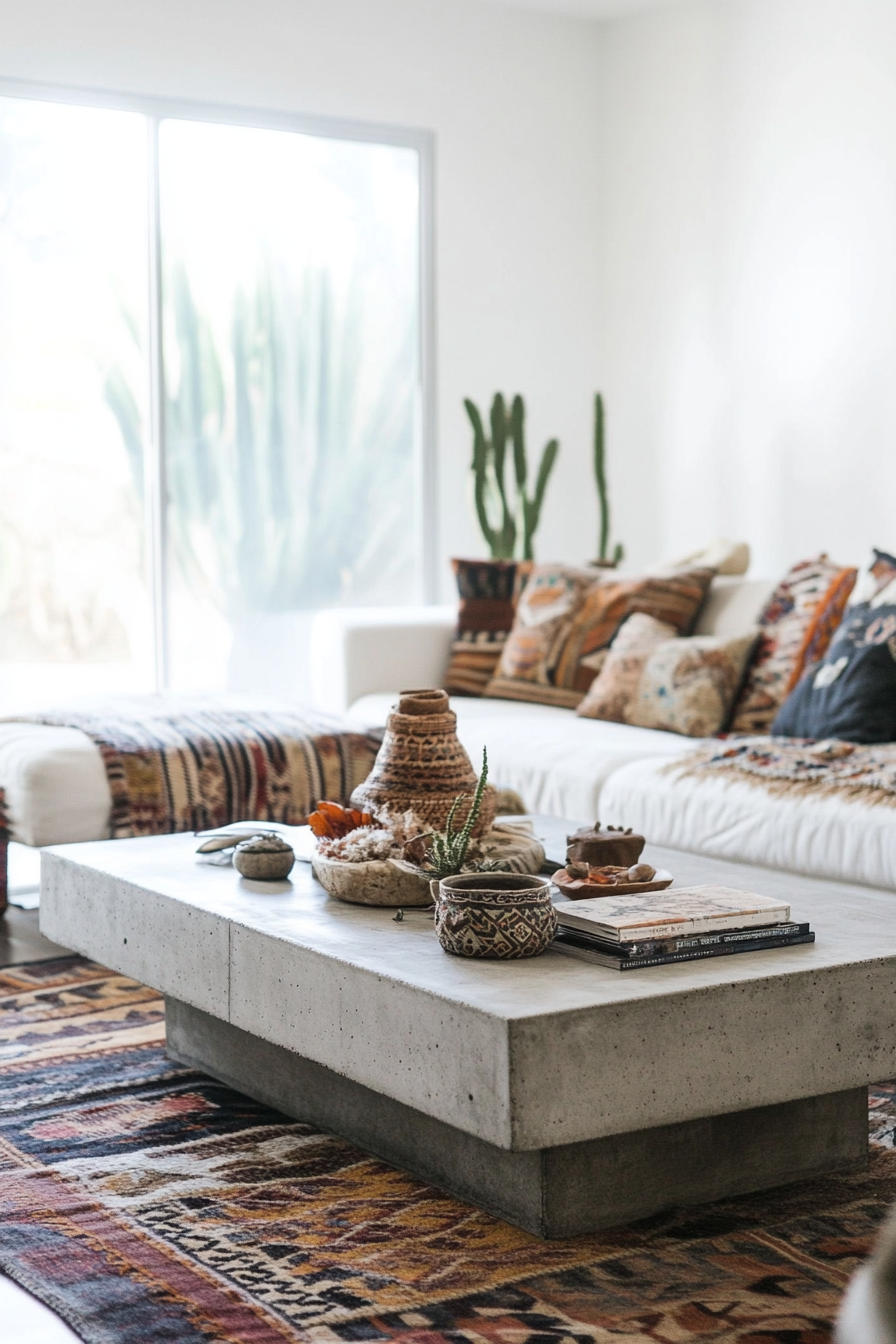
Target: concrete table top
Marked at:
524, 1055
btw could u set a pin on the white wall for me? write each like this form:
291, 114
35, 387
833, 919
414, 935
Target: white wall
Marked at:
512, 99
693, 208
749, 301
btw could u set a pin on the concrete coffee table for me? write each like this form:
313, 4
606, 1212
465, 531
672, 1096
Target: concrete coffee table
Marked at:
559, 1095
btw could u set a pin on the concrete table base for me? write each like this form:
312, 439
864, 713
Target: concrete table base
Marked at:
552, 1192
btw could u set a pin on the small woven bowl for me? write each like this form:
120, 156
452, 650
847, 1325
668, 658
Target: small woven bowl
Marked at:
498, 916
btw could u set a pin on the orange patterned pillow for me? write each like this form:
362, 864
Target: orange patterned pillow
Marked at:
566, 621
674, 599
796, 629
544, 616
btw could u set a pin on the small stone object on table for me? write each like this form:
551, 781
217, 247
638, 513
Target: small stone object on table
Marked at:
264, 858
384, 882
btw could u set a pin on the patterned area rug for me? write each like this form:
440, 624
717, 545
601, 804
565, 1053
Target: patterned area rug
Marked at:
796, 765
145, 1203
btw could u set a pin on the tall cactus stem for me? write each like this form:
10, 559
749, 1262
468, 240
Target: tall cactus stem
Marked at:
600, 476
519, 520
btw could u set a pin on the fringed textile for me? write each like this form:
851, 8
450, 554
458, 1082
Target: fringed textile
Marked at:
798, 766
195, 763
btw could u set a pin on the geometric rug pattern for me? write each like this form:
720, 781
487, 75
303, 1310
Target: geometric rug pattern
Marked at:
147, 1203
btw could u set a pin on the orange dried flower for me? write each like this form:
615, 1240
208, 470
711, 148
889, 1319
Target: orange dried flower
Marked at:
331, 821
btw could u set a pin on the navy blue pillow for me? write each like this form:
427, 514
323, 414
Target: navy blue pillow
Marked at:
851, 693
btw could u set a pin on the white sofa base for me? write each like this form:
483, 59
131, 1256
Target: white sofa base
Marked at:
729, 819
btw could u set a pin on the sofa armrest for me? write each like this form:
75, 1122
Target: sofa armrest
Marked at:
357, 651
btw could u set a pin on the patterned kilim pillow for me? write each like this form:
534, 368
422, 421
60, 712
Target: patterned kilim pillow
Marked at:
689, 685
616, 684
488, 591
796, 628
673, 598
851, 693
567, 620
545, 612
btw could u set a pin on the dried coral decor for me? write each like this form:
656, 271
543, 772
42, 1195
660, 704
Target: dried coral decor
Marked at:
422, 767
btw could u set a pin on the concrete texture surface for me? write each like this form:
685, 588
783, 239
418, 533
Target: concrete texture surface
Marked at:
522, 1055
552, 1192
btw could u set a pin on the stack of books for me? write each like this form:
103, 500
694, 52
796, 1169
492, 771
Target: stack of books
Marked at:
629, 932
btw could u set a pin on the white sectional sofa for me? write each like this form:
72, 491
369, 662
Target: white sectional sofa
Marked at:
56, 786
562, 765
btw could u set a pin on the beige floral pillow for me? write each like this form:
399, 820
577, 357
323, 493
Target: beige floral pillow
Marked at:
617, 681
689, 685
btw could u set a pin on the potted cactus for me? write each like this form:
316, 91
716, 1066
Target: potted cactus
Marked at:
508, 521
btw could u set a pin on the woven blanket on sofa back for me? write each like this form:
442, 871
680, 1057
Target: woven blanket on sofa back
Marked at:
190, 763
798, 766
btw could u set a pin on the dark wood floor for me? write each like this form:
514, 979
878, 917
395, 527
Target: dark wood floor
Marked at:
21, 939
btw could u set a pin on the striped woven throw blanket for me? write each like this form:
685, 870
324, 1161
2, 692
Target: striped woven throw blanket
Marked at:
794, 765
191, 763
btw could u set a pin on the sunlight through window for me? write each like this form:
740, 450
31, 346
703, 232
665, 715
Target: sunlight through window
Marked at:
288, 453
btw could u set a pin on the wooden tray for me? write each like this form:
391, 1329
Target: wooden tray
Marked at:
575, 889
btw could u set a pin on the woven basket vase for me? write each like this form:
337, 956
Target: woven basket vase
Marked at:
422, 766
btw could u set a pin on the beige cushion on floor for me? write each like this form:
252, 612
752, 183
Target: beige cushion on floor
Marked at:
55, 784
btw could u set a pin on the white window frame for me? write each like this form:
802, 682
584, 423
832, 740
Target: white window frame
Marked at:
157, 110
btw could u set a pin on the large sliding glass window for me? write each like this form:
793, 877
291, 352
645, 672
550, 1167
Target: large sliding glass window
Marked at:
211, 403
75, 609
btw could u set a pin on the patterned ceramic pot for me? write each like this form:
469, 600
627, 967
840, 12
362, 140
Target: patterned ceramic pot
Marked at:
502, 916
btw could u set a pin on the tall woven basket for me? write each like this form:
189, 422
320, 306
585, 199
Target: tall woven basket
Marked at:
422, 767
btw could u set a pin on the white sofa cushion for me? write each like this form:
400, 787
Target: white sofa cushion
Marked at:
556, 761
822, 837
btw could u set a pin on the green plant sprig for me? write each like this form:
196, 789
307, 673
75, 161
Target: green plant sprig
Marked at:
448, 854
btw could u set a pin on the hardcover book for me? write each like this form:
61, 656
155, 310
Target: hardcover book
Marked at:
690, 910
572, 946
693, 942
